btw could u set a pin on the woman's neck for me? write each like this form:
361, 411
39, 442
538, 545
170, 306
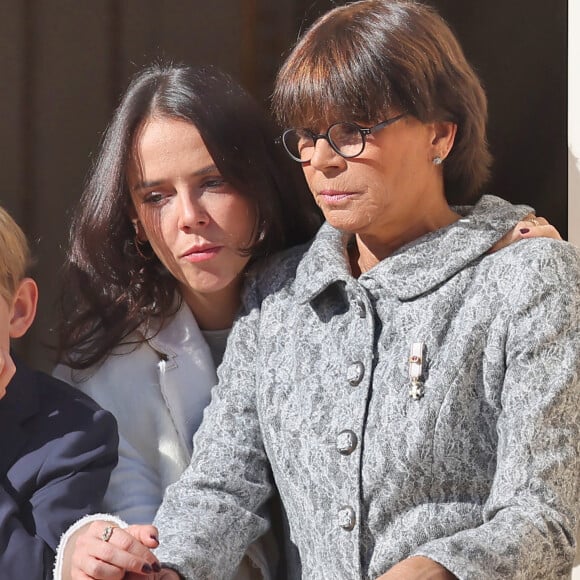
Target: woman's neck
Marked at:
369, 250
215, 310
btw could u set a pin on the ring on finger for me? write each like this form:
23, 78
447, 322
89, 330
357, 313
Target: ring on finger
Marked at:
534, 221
107, 533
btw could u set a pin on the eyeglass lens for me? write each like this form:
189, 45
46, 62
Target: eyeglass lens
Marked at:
345, 138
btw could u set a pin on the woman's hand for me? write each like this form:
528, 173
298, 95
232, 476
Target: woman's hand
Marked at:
537, 227
165, 574
89, 555
7, 370
418, 568
530, 227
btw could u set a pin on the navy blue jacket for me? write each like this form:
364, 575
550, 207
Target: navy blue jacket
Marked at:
57, 451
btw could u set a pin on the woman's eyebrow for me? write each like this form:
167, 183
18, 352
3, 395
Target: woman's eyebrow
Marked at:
208, 169
145, 185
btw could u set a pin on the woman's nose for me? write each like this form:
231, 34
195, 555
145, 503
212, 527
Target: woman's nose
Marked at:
192, 212
324, 156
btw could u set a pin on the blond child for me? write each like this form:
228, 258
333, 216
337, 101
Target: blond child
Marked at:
57, 447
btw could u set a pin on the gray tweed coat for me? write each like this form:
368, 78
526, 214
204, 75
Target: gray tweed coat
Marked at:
430, 406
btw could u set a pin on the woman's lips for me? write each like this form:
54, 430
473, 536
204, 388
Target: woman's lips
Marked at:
201, 254
330, 196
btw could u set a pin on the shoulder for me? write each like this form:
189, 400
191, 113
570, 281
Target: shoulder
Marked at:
118, 380
126, 361
535, 273
57, 392
538, 261
63, 413
274, 273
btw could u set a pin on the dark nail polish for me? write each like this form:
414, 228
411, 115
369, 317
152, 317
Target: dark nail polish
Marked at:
154, 538
156, 567
524, 230
146, 569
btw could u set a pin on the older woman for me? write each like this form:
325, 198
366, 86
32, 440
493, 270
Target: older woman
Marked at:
414, 398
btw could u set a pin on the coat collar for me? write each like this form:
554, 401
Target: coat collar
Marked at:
416, 268
186, 370
178, 332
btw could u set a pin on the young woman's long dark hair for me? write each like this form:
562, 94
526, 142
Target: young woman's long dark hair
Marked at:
109, 288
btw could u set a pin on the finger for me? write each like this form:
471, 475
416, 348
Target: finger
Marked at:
147, 535
165, 574
109, 569
94, 569
541, 231
77, 575
169, 575
80, 575
121, 551
530, 223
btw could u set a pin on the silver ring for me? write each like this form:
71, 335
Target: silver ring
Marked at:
107, 533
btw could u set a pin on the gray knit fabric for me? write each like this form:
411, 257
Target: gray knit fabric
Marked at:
481, 473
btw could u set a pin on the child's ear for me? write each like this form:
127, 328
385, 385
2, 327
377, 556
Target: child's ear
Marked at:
23, 307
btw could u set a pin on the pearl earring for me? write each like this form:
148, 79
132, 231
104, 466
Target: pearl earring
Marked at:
437, 160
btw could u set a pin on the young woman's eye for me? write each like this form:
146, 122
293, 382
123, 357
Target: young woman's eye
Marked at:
153, 197
215, 184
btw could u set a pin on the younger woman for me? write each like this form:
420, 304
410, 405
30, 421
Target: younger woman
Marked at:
187, 191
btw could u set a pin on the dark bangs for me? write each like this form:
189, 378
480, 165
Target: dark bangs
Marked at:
334, 75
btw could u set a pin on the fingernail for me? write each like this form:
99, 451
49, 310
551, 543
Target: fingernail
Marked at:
146, 569
524, 230
154, 538
156, 567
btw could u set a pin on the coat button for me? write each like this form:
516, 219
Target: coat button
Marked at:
361, 309
346, 518
346, 442
355, 373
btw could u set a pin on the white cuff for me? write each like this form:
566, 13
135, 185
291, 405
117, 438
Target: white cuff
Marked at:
58, 562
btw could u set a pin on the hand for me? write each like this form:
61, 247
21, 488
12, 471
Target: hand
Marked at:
88, 556
7, 370
165, 574
418, 568
530, 227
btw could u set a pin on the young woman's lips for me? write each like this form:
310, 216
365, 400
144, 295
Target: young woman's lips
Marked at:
201, 254
333, 197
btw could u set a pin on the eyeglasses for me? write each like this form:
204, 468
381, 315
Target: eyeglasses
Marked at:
347, 139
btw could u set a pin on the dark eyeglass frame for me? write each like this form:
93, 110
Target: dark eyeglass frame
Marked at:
363, 131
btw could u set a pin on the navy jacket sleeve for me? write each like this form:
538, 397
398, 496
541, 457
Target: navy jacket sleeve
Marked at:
58, 449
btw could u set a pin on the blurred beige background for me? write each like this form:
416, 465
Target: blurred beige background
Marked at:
65, 63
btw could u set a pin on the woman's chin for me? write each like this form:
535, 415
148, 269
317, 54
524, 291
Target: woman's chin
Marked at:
345, 221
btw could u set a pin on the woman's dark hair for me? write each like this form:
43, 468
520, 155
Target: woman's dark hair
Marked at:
360, 61
109, 289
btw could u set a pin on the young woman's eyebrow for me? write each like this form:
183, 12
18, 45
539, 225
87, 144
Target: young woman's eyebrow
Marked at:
207, 170
145, 185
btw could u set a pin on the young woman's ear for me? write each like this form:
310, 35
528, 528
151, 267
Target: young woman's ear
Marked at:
23, 307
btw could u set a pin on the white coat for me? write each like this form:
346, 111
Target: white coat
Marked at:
157, 390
